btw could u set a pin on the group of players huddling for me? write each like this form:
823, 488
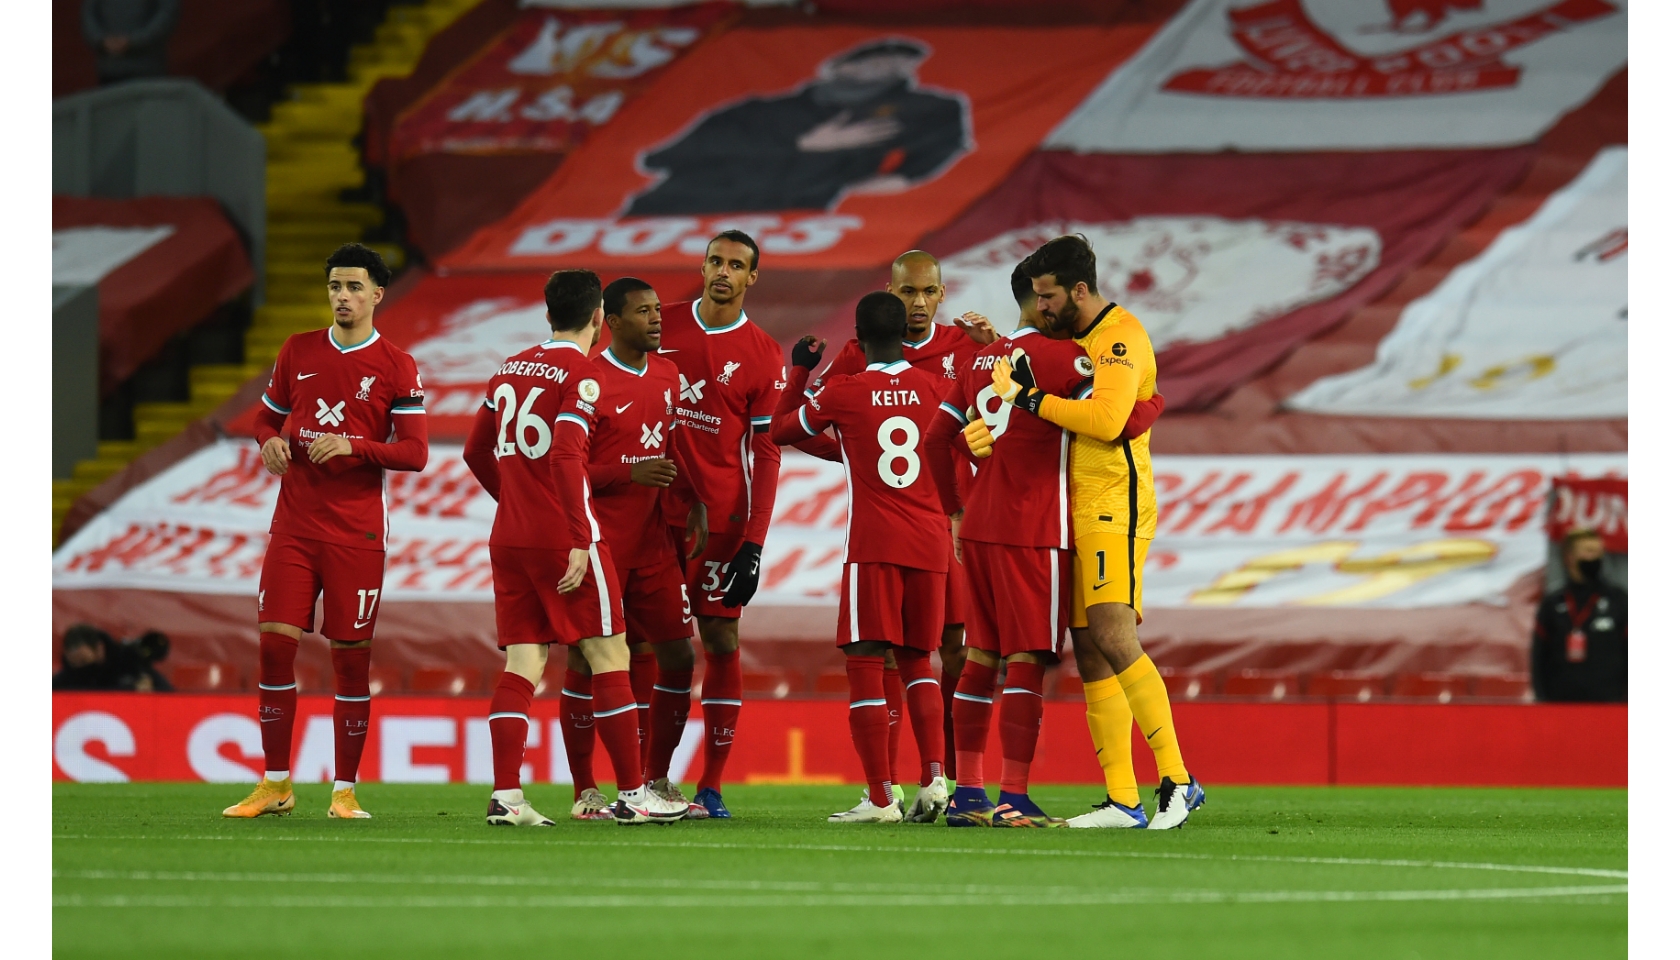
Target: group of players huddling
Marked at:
1000, 496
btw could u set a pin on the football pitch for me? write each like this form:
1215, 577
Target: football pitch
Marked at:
143, 870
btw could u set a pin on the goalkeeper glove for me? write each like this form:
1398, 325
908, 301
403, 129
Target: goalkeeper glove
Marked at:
743, 575
979, 438
807, 353
1013, 382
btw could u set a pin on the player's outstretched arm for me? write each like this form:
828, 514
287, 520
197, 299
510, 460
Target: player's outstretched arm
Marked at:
807, 353
408, 450
1143, 416
480, 452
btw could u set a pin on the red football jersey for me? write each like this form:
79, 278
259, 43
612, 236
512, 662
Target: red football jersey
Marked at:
1019, 495
728, 382
544, 401
882, 416
942, 352
356, 392
633, 424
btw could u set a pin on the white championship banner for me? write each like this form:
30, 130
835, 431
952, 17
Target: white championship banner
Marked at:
1261, 75
1535, 327
1370, 531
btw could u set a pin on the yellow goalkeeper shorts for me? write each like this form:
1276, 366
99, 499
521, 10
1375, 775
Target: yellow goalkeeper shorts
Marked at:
1107, 568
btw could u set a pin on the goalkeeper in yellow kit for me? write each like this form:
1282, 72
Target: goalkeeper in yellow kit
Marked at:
1113, 523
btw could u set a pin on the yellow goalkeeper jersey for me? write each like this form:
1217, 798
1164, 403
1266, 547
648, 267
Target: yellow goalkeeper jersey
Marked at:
1112, 479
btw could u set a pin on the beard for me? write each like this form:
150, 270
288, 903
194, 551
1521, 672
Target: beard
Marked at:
1064, 319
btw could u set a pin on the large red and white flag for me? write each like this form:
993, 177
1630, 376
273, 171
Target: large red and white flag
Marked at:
1258, 75
1535, 327
1369, 531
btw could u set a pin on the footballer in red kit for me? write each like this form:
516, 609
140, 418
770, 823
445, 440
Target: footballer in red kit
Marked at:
1015, 528
632, 470
553, 577
897, 550
342, 406
729, 379
942, 350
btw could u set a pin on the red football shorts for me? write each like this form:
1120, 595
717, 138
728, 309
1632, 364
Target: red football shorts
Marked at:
956, 593
348, 579
709, 573
656, 607
884, 601
530, 607
1020, 597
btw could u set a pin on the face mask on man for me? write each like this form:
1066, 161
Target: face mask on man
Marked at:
1590, 569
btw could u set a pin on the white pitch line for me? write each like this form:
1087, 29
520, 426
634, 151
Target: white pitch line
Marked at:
1019, 898
944, 851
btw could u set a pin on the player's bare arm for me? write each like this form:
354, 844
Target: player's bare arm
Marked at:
277, 455
327, 447
577, 564
658, 472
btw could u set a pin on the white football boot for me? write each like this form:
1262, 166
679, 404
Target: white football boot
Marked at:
930, 803
642, 805
1111, 815
1174, 801
867, 812
514, 811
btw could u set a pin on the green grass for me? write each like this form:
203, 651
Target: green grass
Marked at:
152, 870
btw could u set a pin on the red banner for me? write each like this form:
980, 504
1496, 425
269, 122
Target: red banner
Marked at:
550, 78
835, 146
1600, 504
121, 737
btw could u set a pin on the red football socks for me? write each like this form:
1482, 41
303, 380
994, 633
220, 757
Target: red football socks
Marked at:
720, 704
667, 718
276, 698
577, 729
868, 720
642, 667
927, 720
892, 685
352, 703
615, 718
1018, 720
510, 707
947, 693
971, 720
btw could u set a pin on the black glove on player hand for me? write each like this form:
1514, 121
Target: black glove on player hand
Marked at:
743, 576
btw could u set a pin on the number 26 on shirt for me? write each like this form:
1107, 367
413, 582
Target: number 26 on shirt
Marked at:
506, 400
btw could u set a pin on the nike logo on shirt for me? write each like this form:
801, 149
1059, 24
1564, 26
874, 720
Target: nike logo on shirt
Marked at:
625, 407
663, 350
306, 376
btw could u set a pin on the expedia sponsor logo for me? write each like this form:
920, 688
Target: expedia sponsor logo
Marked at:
1118, 349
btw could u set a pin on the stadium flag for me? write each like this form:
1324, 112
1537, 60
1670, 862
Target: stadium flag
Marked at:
1397, 531
459, 329
835, 147
1259, 75
1230, 260
550, 78
1595, 504
1535, 327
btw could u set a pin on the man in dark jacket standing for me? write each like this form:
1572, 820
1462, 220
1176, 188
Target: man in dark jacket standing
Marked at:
862, 126
130, 38
1580, 649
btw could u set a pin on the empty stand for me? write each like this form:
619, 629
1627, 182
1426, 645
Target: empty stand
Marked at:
1346, 685
203, 677
1440, 687
1502, 686
770, 684
444, 681
1265, 684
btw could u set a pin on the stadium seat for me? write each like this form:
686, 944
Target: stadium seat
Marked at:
383, 679
1502, 686
768, 684
1346, 685
1181, 684
1266, 684
312, 680
832, 684
203, 677
447, 681
1440, 687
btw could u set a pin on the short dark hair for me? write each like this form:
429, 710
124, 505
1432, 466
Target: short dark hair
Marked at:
617, 292
355, 255
741, 237
881, 319
1020, 284
85, 635
1573, 538
572, 296
894, 47
1069, 259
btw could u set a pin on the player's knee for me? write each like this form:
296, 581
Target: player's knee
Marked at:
606, 654
283, 629
576, 661
869, 648
984, 658
527, 660
720, 634
674, 655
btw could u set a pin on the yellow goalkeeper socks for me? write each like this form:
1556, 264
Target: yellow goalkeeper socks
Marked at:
1110, 720
1147, 695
